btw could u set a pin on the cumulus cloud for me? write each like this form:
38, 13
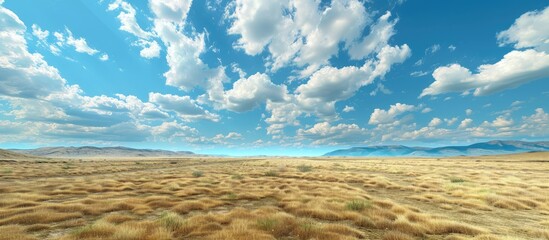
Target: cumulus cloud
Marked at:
127, 18
23, 74
380, 116
39, 33
247, 93
514, 69
530, 30
325, 134
465, 123
80, 44
184, 106
468, 112
348, 109
298, 31
435, 122
49, 107
379, 36
329, 84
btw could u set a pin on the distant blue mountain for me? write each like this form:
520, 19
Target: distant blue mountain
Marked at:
477, 149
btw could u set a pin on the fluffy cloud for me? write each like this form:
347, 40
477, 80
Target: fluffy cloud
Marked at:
128, 21
151, 49
348, 109
297, 31
435, 122
38, 97
325, 134
380, 116
248, 93
174, 11
531, 30
329, 85
516, 68
379, 36
186, 69
184, 106
39, 33
23, 74
80, 44
465, 123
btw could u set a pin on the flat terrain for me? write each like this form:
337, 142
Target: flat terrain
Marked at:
496, 197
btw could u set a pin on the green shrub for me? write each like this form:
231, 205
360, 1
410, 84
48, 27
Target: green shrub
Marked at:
271, 173
457, 180
267, 224
198, 174
304, 168
357, 205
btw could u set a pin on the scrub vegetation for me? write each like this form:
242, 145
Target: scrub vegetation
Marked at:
495, 197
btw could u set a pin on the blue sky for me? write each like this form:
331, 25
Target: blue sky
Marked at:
282, 77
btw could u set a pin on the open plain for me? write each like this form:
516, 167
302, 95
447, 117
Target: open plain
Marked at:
492, 197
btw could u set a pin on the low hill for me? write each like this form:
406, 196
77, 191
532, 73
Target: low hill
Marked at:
9, 155
88, 151
477, 149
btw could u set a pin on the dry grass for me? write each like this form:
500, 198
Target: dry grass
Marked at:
501, 197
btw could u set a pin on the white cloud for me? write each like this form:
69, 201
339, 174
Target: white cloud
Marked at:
516, 68
465, 123
186, 69
172, 130
531, 30
24, 74
468, 112
298, 31
150, 49
104, 57
325, 134
502, 122
432, 49
380, 116
450, 121
329, 85
174, 11
80, 44
379, 36
39, 33
248, 93
426, 110
435, 122
418, 73
380, 88
256, 22
348, 109
185, 107
128, 21
452, 48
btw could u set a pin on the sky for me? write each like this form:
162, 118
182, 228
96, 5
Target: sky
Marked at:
287, 77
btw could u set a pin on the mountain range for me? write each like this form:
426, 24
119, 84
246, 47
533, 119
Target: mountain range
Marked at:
88, 151
477, 149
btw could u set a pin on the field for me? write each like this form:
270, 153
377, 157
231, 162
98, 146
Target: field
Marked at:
496, 197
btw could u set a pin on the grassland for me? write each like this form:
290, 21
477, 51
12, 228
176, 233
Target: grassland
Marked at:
498, 197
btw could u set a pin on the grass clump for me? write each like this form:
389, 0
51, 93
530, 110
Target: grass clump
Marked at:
304, 168
198, 174
267, 224
237, 177
357, 205
171, 221
271, 173
457, 180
